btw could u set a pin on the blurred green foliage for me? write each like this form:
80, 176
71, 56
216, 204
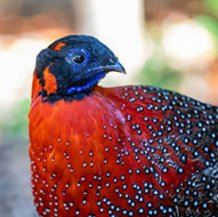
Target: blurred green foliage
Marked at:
211, 24
15, 125
210, 21
157, 72
212, 6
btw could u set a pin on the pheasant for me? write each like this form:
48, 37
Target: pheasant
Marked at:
119, 151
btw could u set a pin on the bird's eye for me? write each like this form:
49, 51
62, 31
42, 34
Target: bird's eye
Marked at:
78, 58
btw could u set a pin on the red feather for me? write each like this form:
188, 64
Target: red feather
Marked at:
127, 151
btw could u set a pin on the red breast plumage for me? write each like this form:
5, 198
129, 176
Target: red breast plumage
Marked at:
124, 151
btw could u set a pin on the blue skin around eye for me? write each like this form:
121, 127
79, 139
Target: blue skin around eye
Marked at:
92, 81
87, 86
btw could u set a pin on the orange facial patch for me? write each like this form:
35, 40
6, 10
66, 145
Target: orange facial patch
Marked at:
58, 46
36, 87
50, 81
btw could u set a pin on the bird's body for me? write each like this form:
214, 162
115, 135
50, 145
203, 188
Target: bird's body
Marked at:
124, 151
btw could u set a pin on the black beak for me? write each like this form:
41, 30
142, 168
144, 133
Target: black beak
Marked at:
117, 67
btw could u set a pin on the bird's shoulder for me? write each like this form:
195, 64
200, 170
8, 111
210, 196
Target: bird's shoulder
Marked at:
156, 99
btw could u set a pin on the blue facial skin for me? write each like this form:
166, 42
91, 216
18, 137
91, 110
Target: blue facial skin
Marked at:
78, 66
89, 85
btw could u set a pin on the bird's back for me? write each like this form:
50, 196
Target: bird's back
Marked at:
173, 140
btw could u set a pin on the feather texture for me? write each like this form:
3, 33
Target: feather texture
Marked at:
125, 151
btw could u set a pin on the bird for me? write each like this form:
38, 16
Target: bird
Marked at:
130, 150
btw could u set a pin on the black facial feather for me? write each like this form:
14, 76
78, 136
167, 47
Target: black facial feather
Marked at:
78, 65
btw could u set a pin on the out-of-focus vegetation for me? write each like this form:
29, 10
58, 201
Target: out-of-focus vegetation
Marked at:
157, 69
157, 72
211, 24
212, 7
15, 125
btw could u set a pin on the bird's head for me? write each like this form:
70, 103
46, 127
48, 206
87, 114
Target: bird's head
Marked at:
72, 66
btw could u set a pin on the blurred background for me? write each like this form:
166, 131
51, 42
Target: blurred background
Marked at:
167, 43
